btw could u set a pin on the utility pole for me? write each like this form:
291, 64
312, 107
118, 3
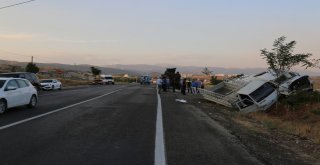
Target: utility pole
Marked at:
31, 59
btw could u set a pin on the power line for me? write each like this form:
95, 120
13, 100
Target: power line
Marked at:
21, 3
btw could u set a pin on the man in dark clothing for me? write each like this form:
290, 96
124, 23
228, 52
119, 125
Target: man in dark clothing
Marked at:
177, 78
189, 86
164, 84
184, 86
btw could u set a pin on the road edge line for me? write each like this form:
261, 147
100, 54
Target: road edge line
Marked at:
54, 111
159, 154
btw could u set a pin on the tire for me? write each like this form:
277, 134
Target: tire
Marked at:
60, 87
33, 102
52, 87
3, 106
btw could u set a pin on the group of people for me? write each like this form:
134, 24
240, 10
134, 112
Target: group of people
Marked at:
163, 83
191, 86
185, 85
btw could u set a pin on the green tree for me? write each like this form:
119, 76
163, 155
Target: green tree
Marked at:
95, 71
32, 67
206, 71
14, 68
281, 58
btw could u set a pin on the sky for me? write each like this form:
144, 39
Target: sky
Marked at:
211, 33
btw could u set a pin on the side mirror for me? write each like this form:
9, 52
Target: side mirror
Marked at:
11, 88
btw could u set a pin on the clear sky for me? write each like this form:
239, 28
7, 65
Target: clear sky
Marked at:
216, 33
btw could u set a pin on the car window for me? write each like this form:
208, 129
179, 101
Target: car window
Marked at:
46, 81
2, 83
10, 75
12, 83
28, 77
27, 82
22, 76
34, 77
22, 83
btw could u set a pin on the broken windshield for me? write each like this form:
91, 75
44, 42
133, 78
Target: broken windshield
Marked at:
262, 92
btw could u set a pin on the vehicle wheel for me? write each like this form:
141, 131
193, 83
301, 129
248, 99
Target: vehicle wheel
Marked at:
52, 88
33, 102
3, 106
60, 87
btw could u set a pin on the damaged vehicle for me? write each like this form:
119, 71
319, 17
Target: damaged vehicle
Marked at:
256, 92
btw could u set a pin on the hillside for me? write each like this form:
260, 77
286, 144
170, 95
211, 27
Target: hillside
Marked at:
82, 67
195, 69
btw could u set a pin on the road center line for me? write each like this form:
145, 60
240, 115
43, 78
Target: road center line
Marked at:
159, 154
57, 110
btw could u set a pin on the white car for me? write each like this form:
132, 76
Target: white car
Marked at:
50, 84
16, 92
107, 79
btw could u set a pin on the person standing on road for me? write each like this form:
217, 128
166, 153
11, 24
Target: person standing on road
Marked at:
177, 79
193, 85
189, 86
202, 84
198, 85
164, 84
184, 86
159, 84
168, 83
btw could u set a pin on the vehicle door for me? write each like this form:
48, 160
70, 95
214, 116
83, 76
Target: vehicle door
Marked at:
55, 84
246, 104
13, 94
25, 91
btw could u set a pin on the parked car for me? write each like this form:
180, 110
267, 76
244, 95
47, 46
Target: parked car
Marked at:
16, 92
26, 75
50, 84
107, 79
146, 79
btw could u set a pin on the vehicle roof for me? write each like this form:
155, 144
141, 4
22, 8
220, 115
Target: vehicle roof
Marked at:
15, 72
252, 86
8, 78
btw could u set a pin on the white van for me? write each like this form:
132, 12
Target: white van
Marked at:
257, 95
107, 79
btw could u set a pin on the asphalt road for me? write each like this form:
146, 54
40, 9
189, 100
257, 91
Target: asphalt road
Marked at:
114, 125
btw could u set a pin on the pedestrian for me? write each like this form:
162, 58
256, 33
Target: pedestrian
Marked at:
168, 83
189, 86
202, 84
177, 79
159, 84
184, 86
173, 85
193, 85
198, 85
164, 84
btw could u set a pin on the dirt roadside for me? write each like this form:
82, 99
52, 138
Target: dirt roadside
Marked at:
270, 146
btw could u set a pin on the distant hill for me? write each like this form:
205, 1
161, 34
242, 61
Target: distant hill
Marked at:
140, 69
146, 69
82, 68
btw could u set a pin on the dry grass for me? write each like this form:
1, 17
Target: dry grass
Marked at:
68, 82
316, 82
303, 123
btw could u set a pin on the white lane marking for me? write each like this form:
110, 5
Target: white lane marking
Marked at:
159, 154
54, 111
